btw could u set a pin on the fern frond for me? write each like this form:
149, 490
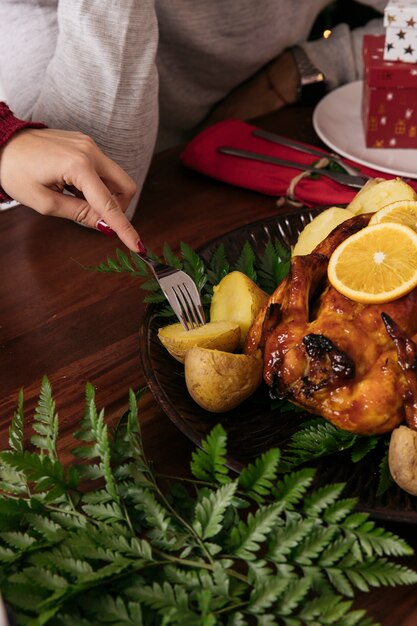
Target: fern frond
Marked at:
114, 611
257, 479
292, 487
46, 474
288, 536
267, 594
209, 512
16, 434
218, 266
194, 266
209, 463
273, 267
247, 537
45, 421
246, 262
318, 501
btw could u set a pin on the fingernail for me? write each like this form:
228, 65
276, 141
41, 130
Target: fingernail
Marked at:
141, 248
104, 228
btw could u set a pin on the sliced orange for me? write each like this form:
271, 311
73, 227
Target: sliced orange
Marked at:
377, 264
401, 212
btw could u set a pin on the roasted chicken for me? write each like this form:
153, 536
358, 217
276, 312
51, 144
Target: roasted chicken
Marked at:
354, 364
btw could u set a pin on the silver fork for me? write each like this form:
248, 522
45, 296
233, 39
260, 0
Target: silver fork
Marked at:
291, 143
181, 292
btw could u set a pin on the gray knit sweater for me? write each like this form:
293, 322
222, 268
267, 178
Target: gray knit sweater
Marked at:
124, 71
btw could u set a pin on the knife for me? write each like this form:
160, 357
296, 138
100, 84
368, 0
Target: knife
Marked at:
290, 143
357, 181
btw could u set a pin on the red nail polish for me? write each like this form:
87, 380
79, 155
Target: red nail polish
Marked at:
104, 228
141, 248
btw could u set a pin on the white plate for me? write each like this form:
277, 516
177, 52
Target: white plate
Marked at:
337, 121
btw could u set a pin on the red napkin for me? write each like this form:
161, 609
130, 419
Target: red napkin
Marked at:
201, 154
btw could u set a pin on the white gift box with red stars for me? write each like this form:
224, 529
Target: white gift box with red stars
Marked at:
389, 99
400, 21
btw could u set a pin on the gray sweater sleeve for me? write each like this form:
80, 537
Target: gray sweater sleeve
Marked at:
340, 56
96, 62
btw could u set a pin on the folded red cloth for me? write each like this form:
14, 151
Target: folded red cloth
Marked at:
201, 154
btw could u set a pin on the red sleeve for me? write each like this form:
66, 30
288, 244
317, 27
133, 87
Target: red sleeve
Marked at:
9, 125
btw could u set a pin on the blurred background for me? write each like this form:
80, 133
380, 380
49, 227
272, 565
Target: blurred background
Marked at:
348, 11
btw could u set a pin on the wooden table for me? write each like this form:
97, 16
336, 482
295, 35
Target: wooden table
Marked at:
76, 326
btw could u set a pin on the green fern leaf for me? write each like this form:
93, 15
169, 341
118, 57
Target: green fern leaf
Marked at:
335, 552
109, 512
210, 463
314, 439
362, 447
337, 511
258, 478
115, 611
124, 261
312, 546
340, 581
274, 266
16, 434
246, 262
385, 479
194, 266
170, 257
46, 527
46, 473
211, 509
265, 595
157, 596
295, 594
322, 498
287, 537
292, 487
218, 266
373, 539
246, 538
45, 421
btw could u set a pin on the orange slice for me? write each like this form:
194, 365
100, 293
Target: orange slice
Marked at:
401, 212
377, 264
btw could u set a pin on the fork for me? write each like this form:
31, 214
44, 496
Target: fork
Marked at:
181, 292
285, 141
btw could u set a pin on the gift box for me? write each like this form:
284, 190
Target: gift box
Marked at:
389, 98
400, 21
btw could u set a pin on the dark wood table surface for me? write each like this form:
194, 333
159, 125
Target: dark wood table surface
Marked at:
76, 326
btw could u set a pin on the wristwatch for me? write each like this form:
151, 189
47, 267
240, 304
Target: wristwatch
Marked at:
312, 85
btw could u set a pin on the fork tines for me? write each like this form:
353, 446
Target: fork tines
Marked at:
190, 310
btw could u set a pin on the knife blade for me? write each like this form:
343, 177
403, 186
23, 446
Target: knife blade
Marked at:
357, 181
290, 143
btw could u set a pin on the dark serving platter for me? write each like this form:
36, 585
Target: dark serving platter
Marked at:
254, 426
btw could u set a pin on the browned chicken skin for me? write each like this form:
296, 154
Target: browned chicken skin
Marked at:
354, 364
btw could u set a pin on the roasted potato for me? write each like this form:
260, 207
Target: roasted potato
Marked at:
378, 192
224, 335
319, 228
237, 299
402, 458
219, 381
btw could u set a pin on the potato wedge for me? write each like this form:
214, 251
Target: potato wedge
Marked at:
378, 192
237, 299
223, 335
318, 229
402, 458
219, 381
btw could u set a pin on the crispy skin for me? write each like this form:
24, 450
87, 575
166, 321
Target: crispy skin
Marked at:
352, 363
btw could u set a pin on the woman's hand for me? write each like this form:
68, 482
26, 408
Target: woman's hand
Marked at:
37, 164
